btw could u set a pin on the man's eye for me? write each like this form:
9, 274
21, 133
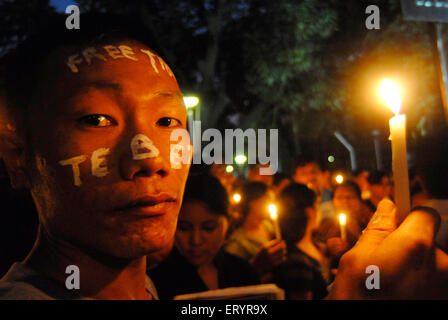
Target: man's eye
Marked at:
168, 122
97, 120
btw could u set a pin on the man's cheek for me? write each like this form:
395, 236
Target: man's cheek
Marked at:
83, 167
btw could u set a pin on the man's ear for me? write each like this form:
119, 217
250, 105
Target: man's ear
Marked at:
12, 153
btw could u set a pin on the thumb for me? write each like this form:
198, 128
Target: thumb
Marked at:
383, 223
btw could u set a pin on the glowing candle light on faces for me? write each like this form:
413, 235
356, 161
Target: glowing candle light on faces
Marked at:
342, 224
272, 208
390, 94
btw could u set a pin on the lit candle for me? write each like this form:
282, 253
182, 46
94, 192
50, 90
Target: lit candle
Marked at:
236, 198
342, 224
339, 178
397, 124
273, 212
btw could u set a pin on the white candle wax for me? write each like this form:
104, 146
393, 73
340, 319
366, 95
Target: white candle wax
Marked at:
273, 212
342, 224
400, 165
278, 234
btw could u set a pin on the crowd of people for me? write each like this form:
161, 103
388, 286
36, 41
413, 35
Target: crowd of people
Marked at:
305, 261
86, 125
226, 241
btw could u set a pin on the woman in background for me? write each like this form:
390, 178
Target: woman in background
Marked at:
197, 262
253, 239
301, 275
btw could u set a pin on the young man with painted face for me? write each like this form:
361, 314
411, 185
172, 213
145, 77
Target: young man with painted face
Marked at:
87, 117
90, 115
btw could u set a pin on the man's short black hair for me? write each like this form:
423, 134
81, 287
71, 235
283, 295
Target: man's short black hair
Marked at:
21, 74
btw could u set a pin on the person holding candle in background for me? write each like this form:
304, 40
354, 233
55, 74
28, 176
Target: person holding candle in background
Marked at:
338, 237
198, 262
303, 274
274, 217
254, 238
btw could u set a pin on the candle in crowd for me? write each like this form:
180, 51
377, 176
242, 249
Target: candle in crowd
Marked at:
390, 93
273, 212
342, 224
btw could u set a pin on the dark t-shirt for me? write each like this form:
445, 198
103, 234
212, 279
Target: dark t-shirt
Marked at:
300, 274
176, 276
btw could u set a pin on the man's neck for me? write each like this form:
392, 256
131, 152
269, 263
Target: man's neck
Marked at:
115, 279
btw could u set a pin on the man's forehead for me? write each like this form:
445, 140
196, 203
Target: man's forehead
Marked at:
82, 58
127, 68
119, 87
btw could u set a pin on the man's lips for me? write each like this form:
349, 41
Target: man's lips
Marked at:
149, 205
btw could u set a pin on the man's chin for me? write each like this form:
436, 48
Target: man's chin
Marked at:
140, 249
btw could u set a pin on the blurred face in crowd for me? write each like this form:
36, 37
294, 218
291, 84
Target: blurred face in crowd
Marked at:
345, 200
259, 207
91, 186
200, 233
382, 190
307, 175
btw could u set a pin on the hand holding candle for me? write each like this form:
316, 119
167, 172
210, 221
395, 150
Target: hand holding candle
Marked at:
273, 212
342, 224
390, 93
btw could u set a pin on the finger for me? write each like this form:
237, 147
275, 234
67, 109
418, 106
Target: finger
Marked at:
278, 246
412, 243
420, 226
441, 261
382, 224
278, 249
272, 243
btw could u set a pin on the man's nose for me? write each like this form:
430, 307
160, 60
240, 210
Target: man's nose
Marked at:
144, 165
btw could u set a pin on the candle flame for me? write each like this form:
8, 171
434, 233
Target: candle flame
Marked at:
273, 211
339, 178
237, 197
342, 219
390, 93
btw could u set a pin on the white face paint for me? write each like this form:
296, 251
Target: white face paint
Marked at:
99, 164
181, 152
91, 54
74, 162
143, 148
